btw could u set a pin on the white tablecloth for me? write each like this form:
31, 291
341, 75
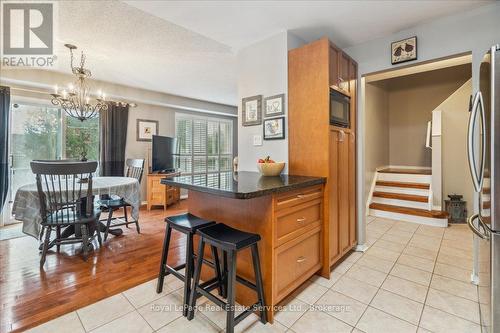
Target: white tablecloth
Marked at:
26, 207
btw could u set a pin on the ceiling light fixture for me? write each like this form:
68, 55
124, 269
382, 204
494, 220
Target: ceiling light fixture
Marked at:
75, 99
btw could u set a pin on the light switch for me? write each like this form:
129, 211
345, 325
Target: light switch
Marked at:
257, 140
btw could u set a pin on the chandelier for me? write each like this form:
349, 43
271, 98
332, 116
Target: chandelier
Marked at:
75, 100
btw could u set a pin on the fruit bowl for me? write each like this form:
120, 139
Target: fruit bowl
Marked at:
271, 169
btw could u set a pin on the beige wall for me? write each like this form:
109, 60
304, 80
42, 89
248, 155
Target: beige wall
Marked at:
455, 117
411, 101
376, 131
33, 85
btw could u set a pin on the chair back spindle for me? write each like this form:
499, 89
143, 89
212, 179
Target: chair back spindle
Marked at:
63, 188
135, 168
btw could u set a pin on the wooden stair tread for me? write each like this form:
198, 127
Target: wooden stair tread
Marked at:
403, 184
437, 214
407, 171
400, 196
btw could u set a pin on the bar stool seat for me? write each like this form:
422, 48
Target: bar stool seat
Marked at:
227, 237
187, 224
230, 241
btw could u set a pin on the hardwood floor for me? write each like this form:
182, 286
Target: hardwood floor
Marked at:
30, 295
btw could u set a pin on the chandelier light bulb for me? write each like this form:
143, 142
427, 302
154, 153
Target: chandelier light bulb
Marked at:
56, 89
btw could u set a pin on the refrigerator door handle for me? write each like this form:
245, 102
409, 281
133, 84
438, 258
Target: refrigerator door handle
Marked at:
476, 230
477, 176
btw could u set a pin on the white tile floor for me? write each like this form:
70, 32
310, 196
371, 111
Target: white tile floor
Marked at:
412, 277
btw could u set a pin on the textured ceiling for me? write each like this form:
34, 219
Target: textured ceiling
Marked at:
241, 23
189, 48
128, 46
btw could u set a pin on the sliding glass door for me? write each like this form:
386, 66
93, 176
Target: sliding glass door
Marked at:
40, 132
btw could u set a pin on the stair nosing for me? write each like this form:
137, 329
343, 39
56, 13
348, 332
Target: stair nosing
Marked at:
401, 196
409, 211
423, 186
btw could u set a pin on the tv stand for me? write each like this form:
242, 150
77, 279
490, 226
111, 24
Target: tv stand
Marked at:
164, 172
159, 194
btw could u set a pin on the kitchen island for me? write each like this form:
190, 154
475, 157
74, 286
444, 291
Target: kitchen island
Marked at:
286, 211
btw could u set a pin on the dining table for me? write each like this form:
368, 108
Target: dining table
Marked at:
26, 206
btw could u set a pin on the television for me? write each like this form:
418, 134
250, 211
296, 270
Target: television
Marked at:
164, 149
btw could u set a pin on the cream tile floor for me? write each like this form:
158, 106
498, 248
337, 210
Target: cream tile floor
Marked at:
412, 278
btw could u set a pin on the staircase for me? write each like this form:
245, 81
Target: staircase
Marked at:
405, 195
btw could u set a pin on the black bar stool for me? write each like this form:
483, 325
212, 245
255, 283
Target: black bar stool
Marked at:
188, 224
230, 241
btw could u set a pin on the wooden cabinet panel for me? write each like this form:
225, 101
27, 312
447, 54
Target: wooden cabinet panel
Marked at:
159, 194
333, 183
343, 179
334, 66
352, 188
297, 197
295, 260
293, 222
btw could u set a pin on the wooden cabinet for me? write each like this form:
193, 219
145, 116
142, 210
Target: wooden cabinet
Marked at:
159, 194
318, 149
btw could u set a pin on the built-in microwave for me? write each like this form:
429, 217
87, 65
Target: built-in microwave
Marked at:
339, 108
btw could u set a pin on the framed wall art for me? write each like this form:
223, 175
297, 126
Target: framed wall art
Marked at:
146, 129
251, 110
274, 129
404, 50
274, 105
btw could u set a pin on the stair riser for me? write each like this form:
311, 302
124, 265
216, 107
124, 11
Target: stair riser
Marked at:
401, 203
402, 190
408, 178
410, 218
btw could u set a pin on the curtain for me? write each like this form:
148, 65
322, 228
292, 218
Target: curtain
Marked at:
4, 144
113, 137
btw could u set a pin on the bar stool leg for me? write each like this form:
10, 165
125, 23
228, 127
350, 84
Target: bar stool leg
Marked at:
188, 274
224, 273
163, 262
196, 280
215, 256
258, 282
231, 285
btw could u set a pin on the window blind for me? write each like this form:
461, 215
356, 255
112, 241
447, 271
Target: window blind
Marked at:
205, 146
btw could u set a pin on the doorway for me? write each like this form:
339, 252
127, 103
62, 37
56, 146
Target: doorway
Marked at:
415, 140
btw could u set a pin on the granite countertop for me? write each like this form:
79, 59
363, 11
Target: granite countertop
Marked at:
242, 185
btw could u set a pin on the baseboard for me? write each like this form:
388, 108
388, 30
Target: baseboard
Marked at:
361, 248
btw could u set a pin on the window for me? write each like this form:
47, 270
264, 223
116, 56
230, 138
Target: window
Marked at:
46, 133
205, 146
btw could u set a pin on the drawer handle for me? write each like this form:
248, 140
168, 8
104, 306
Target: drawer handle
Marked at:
300, 196
301, 219
301, 259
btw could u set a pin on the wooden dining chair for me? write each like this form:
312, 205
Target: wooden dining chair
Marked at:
65, 194
135, 169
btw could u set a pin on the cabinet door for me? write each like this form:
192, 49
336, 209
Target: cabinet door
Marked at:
344, 72
334, 57
344, 199
352, 188
333, 187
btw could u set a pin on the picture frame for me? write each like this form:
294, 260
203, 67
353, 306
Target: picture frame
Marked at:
251, 110
274, 106
145, 129
274, 128
404, 50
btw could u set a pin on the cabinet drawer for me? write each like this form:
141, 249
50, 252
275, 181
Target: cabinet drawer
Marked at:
292, 222
297, 197
296, 261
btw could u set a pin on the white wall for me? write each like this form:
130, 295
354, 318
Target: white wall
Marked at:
476, 31
263, 70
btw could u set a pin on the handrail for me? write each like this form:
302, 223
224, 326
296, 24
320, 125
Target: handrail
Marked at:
428, 139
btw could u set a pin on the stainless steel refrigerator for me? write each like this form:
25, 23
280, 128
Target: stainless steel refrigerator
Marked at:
484, 161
